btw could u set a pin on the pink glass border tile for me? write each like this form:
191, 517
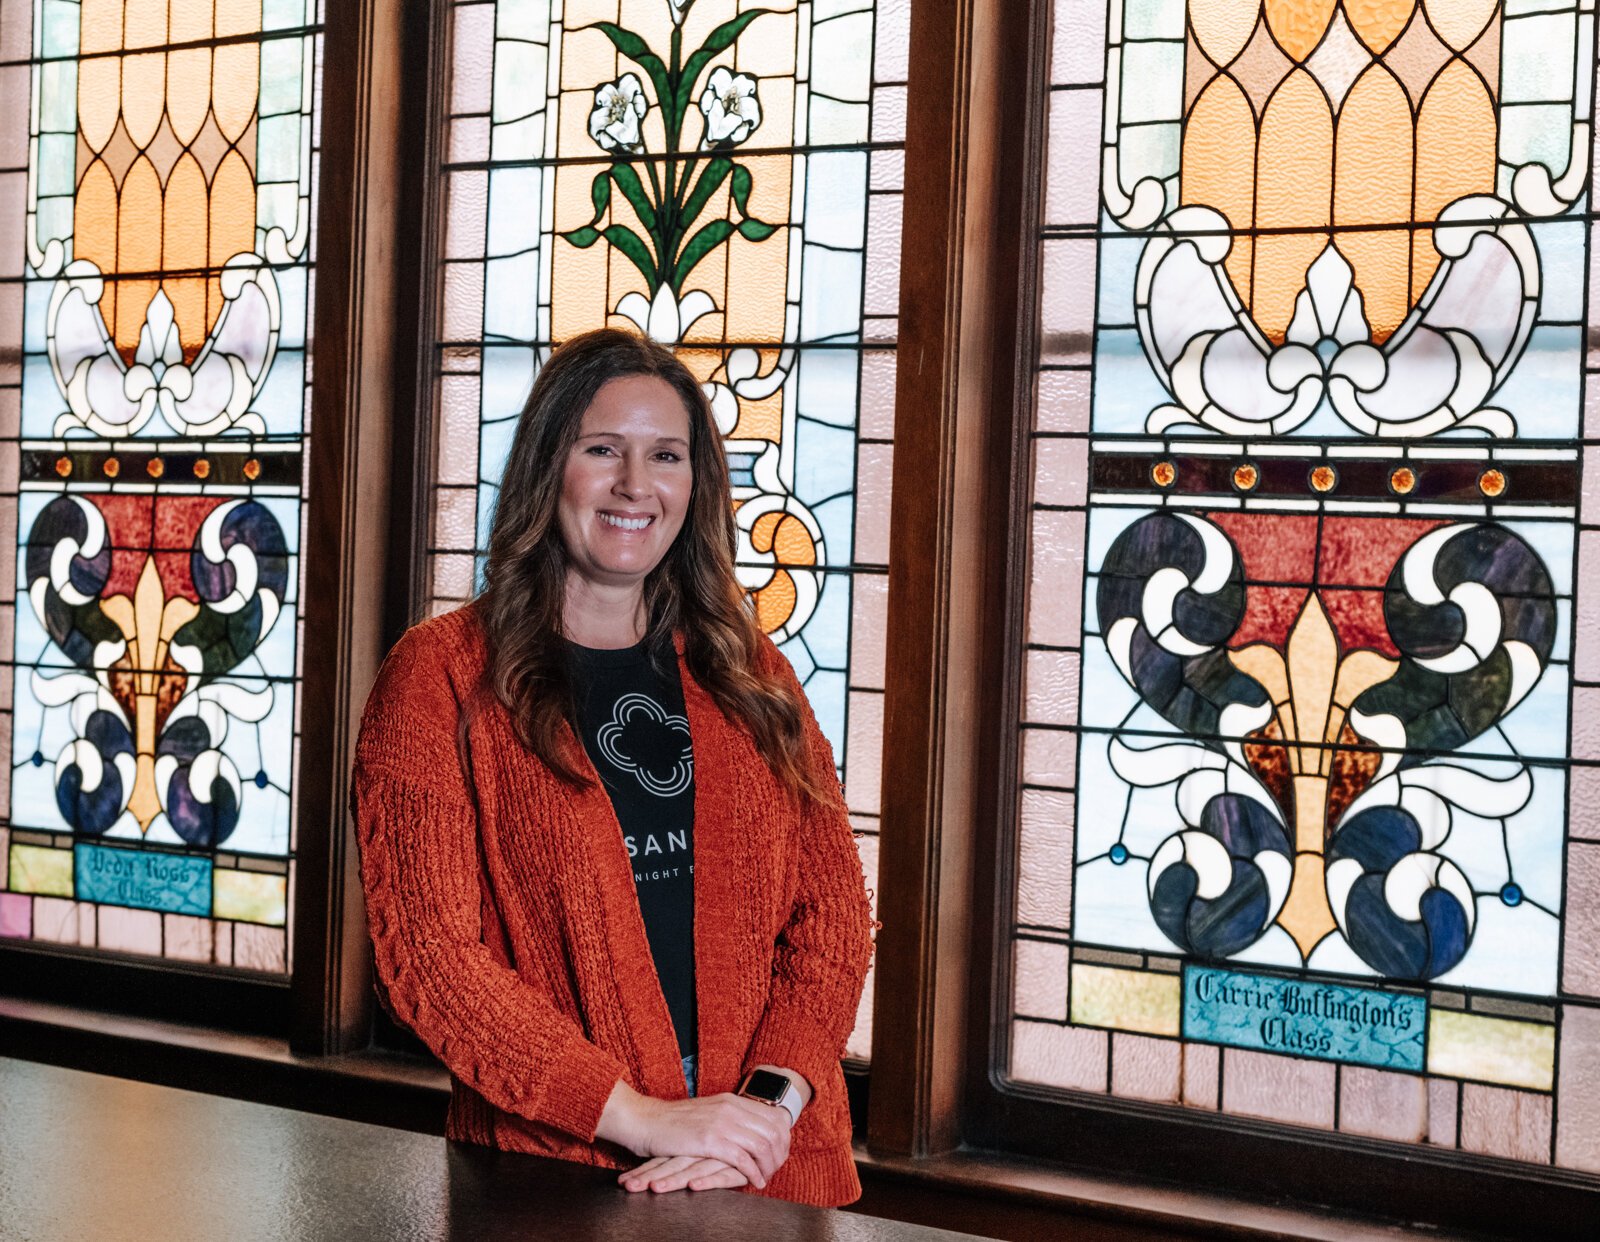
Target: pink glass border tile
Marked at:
1061, 401
1381, 1104
1274, 1088
1050, 688
1143, 1068
16, 915
1078, 52
1073, 1058
1444, 1098
1044, 858
1049, 757
1039, 979
869, 620
1072, 165
472, 42
1581, 925
1515, 1125
1055, 591
1202, 1075
1583, 801
1060, 471
863, 771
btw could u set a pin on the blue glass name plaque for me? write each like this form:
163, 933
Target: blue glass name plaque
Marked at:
171, 883
1360, 1026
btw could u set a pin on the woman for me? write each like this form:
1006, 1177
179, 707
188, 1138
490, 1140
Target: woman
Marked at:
609, 875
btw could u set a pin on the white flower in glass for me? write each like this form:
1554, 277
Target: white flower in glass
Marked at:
678, 8
618, 108
731, 108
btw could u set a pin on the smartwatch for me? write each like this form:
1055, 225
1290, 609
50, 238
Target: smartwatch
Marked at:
778, 1090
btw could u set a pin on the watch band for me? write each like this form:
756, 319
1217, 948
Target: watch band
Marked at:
787, 1099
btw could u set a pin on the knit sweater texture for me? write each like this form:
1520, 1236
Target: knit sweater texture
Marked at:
507, 932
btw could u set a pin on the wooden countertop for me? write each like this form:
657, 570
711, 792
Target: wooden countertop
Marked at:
85, 1157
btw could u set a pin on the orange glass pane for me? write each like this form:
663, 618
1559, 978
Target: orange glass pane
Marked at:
1460, 22
100, 26
144, 23
183, 234
233, 222
236, 17
235, 87
761, 420
1222, 27
99, 99
1378, 23
144, 95
188, 21
189, 91
1372, 185
1294, 189
139, 238
1219, 146
1455, 156
1297, 25
94, 227
758, 276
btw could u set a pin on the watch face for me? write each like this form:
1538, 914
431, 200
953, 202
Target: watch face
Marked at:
765, 1086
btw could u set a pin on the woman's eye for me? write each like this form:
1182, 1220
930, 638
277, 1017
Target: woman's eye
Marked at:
600, 450
668, 455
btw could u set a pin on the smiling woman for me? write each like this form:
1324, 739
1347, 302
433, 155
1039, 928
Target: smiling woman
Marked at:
610, 706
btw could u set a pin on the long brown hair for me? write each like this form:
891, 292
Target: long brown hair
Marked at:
692, 592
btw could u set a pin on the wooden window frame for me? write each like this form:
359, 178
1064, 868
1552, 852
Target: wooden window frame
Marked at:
958, 581
360, 376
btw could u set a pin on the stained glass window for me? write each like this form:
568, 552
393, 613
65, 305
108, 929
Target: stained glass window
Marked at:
156, 175
1308, 808
725, 176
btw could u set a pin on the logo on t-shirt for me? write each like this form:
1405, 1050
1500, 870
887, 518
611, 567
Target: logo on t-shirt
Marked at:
641, 739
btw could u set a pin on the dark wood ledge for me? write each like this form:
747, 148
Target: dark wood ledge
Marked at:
996, 1196
379, 1087
1010, 1197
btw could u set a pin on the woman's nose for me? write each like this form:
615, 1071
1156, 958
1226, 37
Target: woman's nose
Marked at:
630, 477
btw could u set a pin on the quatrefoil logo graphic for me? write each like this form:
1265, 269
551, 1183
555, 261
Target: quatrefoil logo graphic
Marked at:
642, 739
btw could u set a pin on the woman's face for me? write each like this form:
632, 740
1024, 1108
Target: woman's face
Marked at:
627, 482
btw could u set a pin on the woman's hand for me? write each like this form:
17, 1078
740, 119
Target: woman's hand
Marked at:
668, 1173
747, 1136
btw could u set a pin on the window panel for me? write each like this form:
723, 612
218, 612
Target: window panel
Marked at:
775, 272
155, 291
1304, 796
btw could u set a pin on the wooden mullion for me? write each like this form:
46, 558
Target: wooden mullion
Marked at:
425, 121
346, 539
1021, 211
953, 467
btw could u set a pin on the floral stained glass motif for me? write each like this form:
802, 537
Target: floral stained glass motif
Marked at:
156, 181
727, 178
1305, 801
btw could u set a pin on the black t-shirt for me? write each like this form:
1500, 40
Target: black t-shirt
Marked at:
632, 721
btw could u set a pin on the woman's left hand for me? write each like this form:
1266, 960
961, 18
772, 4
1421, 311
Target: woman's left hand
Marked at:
667, 1173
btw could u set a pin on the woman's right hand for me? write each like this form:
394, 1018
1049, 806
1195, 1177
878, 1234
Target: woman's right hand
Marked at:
744, 1134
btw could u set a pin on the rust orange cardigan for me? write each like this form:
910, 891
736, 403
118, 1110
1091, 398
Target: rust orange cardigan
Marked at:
508, 934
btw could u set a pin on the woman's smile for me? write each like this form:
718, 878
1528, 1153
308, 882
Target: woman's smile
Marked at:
625, 522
